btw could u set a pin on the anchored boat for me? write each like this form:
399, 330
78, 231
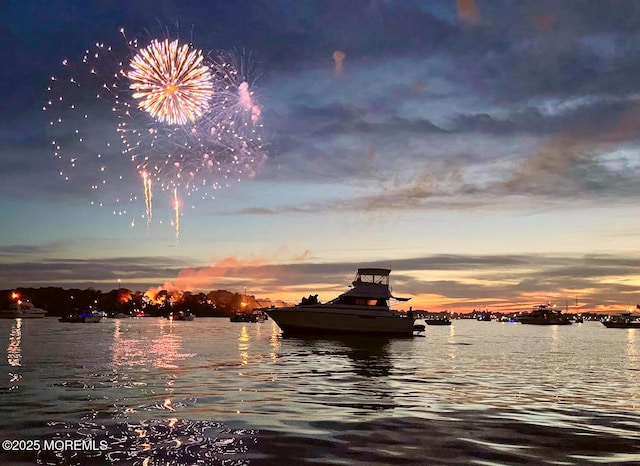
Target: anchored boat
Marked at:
544, 314
363, 309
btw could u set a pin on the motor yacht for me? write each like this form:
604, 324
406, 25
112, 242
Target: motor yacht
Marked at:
544, 314
624, 320
363, 309
438, 321
22, 310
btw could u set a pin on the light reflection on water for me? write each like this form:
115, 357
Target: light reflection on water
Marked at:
14, 352
472, 391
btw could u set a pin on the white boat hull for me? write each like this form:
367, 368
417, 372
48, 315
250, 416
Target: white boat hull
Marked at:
335, 319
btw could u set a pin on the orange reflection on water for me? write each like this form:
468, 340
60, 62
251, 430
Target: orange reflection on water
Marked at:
452, 341
14, 353
243, 346
168, 405
14, 350
165, 350
133, 346
275, 342
126, 351
633, 361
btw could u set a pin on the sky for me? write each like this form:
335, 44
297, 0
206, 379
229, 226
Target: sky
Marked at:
485, 151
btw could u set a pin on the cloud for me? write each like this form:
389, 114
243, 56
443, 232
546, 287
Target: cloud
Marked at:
503, 281
82, 273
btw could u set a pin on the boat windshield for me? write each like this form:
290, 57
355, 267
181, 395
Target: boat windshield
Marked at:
377, 276
359, 301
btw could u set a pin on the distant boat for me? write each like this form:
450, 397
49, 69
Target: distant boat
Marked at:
625, 320
438, 321
181, 315
544, 314
240, 317
22, 310
364, 309
86, 317
258, 316
255, 316
261, 311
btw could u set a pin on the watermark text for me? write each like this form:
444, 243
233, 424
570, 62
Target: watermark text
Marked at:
87, 444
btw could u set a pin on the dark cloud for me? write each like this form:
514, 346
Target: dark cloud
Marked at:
9, 251
520, 103
83, 273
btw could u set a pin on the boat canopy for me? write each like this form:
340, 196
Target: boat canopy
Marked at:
372, 283
374, 271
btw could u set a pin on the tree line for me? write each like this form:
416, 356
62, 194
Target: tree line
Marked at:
58, 301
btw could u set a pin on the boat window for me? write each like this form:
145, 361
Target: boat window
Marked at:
366, 302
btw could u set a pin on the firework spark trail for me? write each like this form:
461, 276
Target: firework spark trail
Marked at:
148, 194
82, 99
171, 82
176, 206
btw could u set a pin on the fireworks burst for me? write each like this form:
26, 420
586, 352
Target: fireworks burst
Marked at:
184, 121
171, 82
221, 147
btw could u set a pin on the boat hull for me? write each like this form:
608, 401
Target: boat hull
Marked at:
437, 322
91, 319
543, 322
310, 320
621, 324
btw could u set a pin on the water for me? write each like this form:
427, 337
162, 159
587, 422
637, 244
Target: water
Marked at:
153, 392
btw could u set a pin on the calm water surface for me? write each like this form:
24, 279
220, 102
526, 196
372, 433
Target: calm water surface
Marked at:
215, 392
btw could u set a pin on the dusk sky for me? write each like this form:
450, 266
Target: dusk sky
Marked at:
485, 151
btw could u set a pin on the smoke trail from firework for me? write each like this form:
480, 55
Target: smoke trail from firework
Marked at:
338, 58
171, 82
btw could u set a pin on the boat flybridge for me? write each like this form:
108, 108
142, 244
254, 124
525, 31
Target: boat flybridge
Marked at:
363, 309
